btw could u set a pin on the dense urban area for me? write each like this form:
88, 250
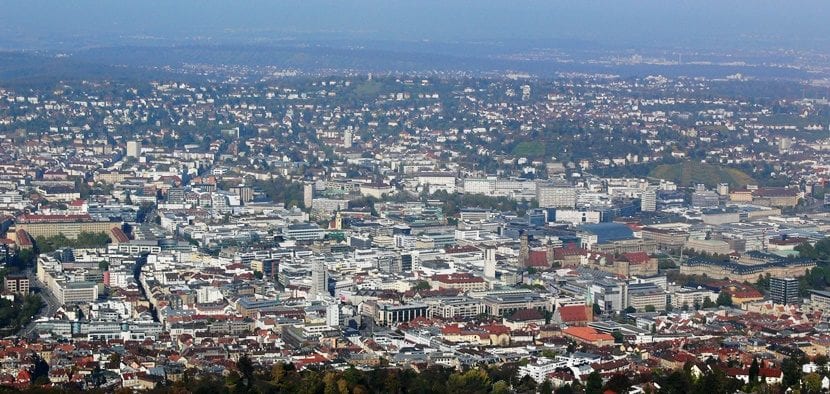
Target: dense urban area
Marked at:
278, 231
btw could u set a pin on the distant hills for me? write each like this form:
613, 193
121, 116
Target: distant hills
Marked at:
689, 173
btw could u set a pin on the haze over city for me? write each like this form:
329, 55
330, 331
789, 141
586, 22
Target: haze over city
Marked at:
415, 196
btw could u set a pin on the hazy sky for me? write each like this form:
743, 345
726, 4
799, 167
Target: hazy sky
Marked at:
701, 23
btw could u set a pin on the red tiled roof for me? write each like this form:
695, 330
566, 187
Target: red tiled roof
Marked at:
570, 250
573, 313
526, 314
588, 334
538, 258
23, 238
636, 257
119, 235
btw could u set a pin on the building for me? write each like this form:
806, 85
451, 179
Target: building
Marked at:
556, 196
776, 197
461, 281
68, 225
784, 290
503, 304
712, 246
702, 198
134, 149
648, 202
644, 295
304, 232
319, 279
457, 307
76, 292
387, 315
687, 298
308, 195
490, 263
16, 284
820, 300
738, 270
589, 335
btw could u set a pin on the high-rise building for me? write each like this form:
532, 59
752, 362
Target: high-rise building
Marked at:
648, 202
319, 279
333, 315
134, 149
406, 262
784, 290
308, 195
490, 263
347, 138
524, 250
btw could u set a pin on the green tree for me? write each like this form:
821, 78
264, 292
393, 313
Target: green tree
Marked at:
501, 387
593, 384
618, 336
526, 385
474, 381
791, 368
707, 303
619, 383
650, 308
812, 383
724, 299
546, 387
565, 389
754, 370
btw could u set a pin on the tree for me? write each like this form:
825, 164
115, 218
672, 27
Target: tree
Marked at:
619, 383
618, 336
593, 384
597, 309
278, 372
246, 370
724, 299
630, 309
754, 369
501, 387
421, 285
546, 387
565, 389
678, 381
330, 382
707, 303
473, 381
650, 308
791, 368
812, 383
526, 385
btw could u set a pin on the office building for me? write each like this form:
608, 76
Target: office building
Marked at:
784, 290
134, 149
648, 202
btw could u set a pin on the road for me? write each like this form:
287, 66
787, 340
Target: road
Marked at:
52, 304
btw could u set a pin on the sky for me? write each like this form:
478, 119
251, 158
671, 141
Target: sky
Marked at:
33, 24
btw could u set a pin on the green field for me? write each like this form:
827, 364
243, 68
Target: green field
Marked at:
529, 149
690, 173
